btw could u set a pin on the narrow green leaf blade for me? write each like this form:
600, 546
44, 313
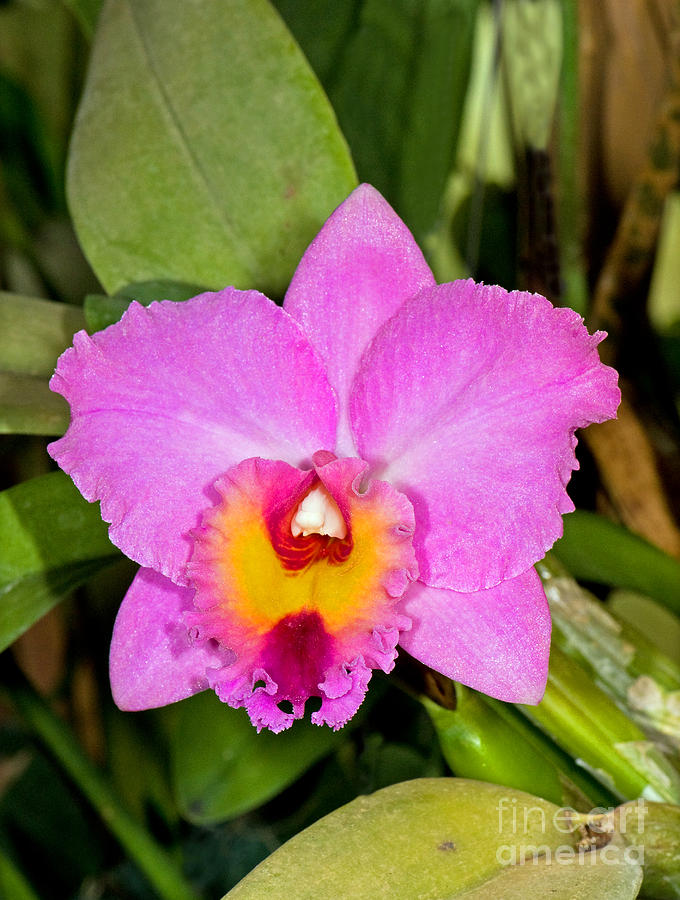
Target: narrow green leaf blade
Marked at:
594, 549
440, 838
204, 149
52, 540
12, 881
227, 768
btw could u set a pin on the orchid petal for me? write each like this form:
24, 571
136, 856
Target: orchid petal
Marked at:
496, 641
154, 660
467, 402
356, 273
172, 396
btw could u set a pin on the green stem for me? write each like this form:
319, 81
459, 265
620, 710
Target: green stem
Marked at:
152, 859
586, 723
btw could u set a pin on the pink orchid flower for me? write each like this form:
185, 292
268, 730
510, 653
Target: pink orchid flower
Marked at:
379, 462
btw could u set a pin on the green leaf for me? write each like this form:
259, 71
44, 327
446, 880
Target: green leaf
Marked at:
12, 881
441, 838
653, 829
86, 12
137, 758
101, 311
52, 540
33, 333
594, 549
204, 148
226, 768
28, 406
659, 625
397, 74
39, 52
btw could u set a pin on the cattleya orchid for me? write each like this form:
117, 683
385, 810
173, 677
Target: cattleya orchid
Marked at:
378, 463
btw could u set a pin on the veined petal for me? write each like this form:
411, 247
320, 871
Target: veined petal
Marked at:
467, 401
154, 660
355, 274
307, 615
170, 397
496, 641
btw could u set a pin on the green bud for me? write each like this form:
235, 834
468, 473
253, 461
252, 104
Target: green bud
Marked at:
491, 741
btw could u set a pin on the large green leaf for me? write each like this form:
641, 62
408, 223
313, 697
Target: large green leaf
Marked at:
594, 549
86, 12
437, 839
52, 540
397, 73
204, 149
102, 311
225, 768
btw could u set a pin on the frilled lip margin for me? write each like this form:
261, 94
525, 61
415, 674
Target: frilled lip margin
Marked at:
306, 616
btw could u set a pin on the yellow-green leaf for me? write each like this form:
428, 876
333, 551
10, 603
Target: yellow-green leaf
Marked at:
436, 839
204, 149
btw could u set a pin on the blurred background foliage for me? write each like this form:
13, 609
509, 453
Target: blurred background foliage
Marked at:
531, 143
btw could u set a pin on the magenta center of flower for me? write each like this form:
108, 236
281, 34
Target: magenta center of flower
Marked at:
296, 653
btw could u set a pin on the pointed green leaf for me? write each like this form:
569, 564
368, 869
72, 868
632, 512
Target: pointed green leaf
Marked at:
227, 768
52, 540
440, 838
204, 148
33, 333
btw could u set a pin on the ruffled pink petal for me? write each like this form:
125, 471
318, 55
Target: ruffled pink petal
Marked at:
496, 641
306, 616
356, 273
467, 402
174, 394
154, 660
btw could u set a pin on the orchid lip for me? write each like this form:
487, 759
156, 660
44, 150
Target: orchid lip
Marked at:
297, 608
